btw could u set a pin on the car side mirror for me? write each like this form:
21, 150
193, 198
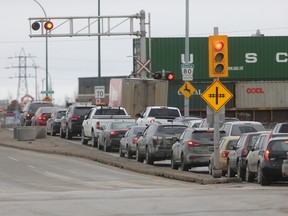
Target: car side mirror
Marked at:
138, 115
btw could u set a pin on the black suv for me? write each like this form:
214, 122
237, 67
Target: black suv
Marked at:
71, 122
29, 111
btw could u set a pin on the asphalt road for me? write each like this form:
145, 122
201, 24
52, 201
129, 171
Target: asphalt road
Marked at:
45, 184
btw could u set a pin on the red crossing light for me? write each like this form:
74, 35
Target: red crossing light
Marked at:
170, 76
48, 25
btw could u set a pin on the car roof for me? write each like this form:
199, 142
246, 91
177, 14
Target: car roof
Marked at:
242, 122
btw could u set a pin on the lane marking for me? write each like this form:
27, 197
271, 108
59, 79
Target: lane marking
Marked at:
13, 158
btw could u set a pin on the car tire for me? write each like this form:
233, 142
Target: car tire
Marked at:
121, 153
230, 172
94, 140
210, 168
99, 145
106, 147
240, 172
261, 179
184, 166
174, 165
62, 135
129, 153
68, 134
149, 159
84, 141
138, 157
52, 132
249, 175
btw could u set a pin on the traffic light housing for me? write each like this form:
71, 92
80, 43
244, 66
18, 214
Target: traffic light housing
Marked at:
218, 56
164, 75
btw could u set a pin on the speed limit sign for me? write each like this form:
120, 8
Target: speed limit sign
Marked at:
99, 91
187, 72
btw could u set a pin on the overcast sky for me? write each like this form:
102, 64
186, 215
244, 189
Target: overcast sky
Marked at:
70, 58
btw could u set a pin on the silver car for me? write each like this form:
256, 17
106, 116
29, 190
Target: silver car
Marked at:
193, 148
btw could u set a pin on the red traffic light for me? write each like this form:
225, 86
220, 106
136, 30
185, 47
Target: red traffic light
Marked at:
48, 25
218, 45
170, 76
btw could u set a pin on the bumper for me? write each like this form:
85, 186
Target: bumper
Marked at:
195, 160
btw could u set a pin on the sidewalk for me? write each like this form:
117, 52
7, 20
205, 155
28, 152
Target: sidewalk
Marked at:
56, 145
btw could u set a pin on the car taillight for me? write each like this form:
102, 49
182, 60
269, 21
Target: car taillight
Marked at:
224, 154
114, 133
97, 125
42, 117
28, 115
266, 155
151, 121
193, 144
135, 139
74, 117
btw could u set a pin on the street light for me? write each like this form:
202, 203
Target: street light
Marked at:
46, 43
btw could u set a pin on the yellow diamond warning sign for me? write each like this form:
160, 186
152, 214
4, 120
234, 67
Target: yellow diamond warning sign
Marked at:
216, 95
187, 89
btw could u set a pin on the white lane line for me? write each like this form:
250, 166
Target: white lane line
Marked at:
31, 166
13, 158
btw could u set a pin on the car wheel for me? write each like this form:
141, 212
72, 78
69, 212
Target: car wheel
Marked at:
184, 166
94, 140
68, 134
138, 157
149, 159
121, 153
52, 132
173, 162
106, 147
62, 135
230, 172
210, 168
240, 172
261, 179
83, 140
128, 152
249, 175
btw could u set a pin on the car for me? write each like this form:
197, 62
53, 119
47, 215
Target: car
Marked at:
156, 141
186, 119
128, 142
254, 156
193, 148
204, 123
29, 111
270, 166
71, 122
111, 134
54, 122
236, 128
226, 145
194, 123
42, 115
285, 167
280, 129
237, 158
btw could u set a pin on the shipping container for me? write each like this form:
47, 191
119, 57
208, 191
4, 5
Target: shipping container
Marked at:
261, 94
250, 58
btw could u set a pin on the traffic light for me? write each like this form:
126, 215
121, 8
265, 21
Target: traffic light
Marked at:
48, 25
164, 75
35, 26
218, 56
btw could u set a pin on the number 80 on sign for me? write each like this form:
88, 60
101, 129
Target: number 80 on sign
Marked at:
187, 72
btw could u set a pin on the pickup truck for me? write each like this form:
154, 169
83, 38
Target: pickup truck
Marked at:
96, 119
161, 114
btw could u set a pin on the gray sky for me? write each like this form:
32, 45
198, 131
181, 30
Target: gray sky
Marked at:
70, 58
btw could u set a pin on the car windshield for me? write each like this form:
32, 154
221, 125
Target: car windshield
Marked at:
60, 114
163, 112
110, 112
237, 130
207, 136
171, 129
34, 107
231, 144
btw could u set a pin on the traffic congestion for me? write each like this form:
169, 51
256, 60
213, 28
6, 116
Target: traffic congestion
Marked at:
248, 150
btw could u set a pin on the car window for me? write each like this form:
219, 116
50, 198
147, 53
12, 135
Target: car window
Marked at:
237, 130
138, 129
82, 111
164, 113
231, 144
284, 128
279, 145
60, 114
204, 135
121, 125
33, 108
171, 129
110, 112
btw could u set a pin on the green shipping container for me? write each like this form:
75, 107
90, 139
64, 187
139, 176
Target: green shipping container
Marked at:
250, 58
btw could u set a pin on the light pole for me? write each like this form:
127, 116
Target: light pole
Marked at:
46, 44
99, 46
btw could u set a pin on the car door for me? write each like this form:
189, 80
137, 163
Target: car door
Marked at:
178, 146
86, 124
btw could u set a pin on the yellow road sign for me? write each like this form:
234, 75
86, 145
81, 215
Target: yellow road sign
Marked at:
187, 89
216, 95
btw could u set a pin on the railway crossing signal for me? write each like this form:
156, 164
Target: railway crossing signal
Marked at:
218, 56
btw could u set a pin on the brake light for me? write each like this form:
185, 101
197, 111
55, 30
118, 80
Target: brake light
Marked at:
114, 133
152, 120
42, 117
135, 139
193, 144
224, 154
266, 155
28, 115
97, 125
74, 117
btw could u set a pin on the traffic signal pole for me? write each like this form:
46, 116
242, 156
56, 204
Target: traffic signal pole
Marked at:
186, 100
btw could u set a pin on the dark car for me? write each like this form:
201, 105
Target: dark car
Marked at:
110, 136
71, 122
193, 148
128, 142
30, 109
156, 142
54, 122
185, 119
270, 166
42, 115
237, 158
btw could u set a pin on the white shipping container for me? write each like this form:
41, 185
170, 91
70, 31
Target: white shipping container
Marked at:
261, 94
